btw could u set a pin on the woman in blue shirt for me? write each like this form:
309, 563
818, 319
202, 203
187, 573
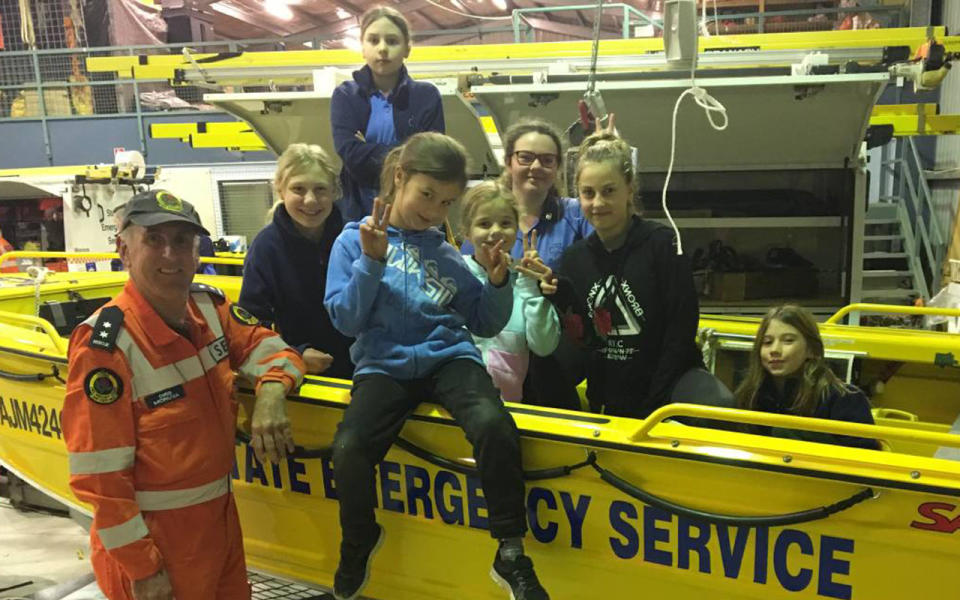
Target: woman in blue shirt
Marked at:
379, 109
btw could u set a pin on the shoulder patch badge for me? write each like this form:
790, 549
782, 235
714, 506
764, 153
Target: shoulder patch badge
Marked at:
103, 386
242, 315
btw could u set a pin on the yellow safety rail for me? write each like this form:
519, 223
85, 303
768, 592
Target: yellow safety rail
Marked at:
894, 309
751, 417
213, 260
13, 318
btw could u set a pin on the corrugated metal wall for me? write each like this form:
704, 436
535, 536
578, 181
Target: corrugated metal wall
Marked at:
946, 194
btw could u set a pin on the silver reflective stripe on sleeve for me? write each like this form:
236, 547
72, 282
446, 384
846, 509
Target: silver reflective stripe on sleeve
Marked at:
209, 311
101, 461
125, 533
173, 499
253, 370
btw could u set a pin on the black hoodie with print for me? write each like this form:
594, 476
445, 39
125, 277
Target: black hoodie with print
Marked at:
637, 309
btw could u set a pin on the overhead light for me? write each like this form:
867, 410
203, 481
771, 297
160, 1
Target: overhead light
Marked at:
500, 4
456, 4
351, 39
279, 9
342, 14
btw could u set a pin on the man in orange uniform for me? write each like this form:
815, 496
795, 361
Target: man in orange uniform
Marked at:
150, 418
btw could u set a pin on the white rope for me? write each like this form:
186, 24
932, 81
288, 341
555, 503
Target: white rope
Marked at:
465, 14
38, 275
710, 105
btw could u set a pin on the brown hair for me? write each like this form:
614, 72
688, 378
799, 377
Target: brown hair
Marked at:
428, 153
816, 377
482, 194
385, 12
533, 125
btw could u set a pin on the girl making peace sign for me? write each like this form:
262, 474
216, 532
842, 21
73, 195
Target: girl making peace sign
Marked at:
406, 295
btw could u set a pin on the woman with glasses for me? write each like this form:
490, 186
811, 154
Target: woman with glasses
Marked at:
533, 171
378, 109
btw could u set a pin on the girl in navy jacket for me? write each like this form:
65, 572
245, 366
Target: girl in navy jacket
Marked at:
379, 109
788, 375
285, 270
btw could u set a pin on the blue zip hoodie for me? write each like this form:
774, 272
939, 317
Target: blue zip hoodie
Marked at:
417, 106
410, 313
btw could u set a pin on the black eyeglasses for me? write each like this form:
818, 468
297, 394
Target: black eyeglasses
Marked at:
526, 159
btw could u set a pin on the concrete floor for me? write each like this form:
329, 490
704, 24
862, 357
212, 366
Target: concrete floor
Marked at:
40, 550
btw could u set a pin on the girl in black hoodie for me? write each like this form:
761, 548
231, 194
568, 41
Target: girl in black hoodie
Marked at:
626, 294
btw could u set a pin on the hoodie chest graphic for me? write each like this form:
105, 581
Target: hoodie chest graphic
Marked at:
616, 314
440, 290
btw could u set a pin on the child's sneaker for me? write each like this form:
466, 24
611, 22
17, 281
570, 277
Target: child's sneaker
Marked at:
354, 570
517, 576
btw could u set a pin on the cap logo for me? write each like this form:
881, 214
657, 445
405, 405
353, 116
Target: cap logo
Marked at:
168, 201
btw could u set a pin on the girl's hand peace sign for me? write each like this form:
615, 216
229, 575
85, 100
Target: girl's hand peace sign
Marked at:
495, 261
373, 231
532, 266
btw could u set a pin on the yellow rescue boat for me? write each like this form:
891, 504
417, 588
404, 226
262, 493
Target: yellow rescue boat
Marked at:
617, 507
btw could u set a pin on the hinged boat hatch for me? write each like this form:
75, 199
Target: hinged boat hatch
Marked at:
11, 189
284, 118
777, 123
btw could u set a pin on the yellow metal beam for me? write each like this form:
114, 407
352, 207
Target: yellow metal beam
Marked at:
162, 66
915, 119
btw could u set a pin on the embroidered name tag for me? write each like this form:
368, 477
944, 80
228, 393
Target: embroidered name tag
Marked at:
164, 396
219, 349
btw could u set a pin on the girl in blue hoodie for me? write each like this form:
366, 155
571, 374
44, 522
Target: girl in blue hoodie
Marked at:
406, 294
489, 215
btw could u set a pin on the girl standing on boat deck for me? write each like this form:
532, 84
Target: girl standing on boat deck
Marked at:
789, 375
285, 270
489, 215
534, 172
379, 109
625, 294
408, 297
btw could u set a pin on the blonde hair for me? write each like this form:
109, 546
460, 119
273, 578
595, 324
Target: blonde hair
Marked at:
607, 148
427, 153
296, 159
482, 194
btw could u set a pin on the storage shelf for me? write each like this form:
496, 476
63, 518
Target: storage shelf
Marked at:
752, 222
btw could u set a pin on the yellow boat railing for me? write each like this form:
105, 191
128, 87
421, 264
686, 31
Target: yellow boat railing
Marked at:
895, 309
212, 260
750, 417
59, 343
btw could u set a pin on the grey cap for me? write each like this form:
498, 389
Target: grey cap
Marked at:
155, 207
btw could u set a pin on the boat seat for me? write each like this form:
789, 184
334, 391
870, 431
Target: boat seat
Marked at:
65, 316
